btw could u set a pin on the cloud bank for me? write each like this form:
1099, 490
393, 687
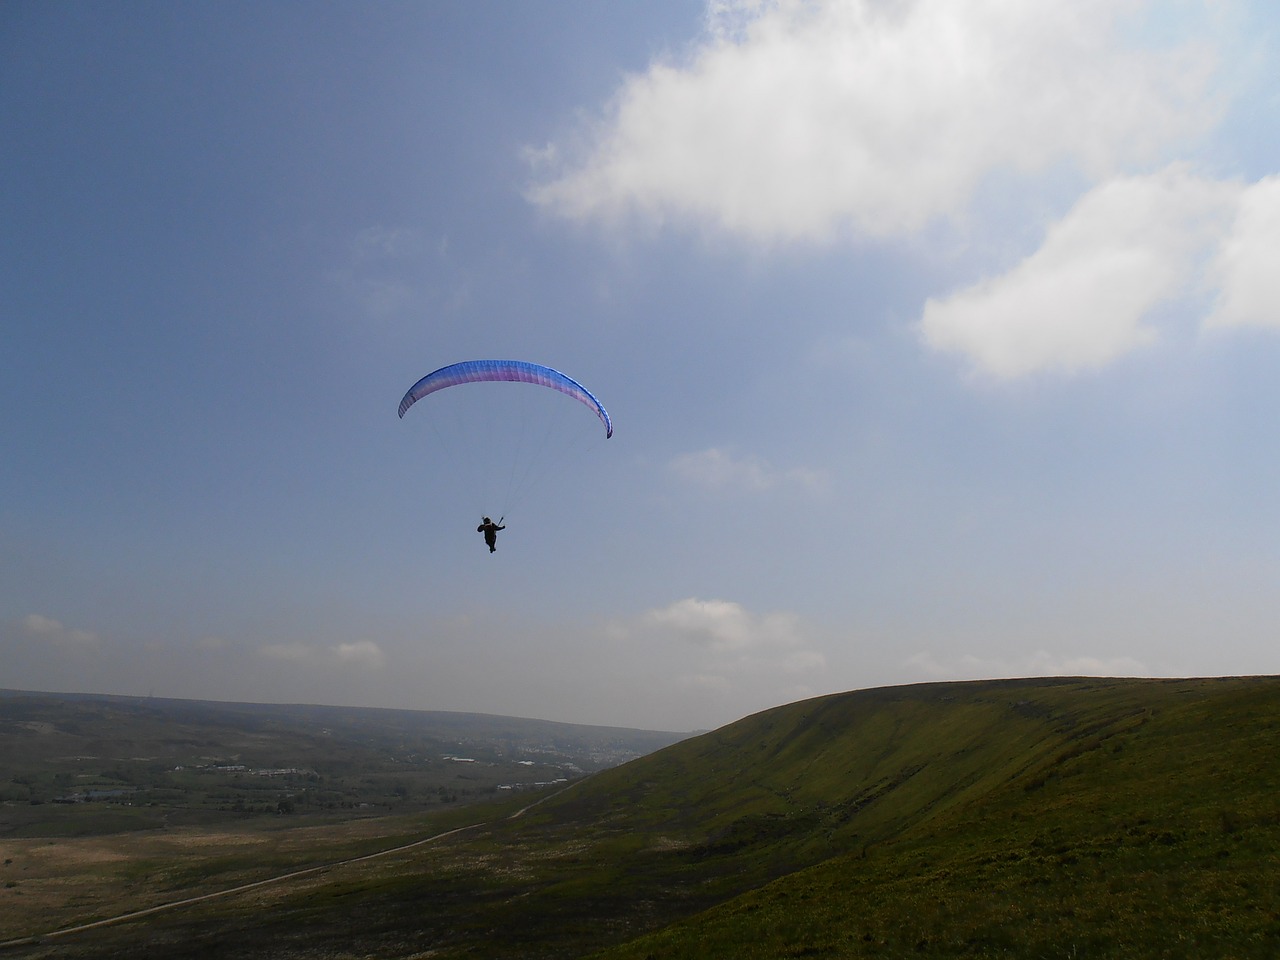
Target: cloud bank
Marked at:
808, 120
794, 119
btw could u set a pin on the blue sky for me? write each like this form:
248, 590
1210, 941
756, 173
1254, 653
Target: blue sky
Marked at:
939, 339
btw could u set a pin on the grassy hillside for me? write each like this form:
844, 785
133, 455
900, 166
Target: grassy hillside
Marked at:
1028, 819
1032, 818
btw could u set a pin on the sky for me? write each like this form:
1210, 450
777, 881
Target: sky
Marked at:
939, 339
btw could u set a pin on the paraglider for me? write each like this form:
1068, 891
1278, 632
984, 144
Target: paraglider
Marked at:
511, 371
490, 531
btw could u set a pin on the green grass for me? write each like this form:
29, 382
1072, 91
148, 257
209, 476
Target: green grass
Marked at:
1145, 823
1032, 818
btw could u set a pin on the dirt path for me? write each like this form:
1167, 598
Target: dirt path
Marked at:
292, 875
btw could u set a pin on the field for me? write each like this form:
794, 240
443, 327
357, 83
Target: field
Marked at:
1033, 818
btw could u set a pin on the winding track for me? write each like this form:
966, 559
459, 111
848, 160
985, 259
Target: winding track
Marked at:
39, 938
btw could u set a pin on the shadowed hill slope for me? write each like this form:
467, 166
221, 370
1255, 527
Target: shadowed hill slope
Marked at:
1058, 818
845, 771
1021, 818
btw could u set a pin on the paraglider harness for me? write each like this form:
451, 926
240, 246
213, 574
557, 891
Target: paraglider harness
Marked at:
490, 531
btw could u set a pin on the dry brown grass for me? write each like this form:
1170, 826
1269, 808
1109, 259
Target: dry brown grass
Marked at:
51, 883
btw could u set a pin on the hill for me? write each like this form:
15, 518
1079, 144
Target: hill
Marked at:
1027, 818
1058, 818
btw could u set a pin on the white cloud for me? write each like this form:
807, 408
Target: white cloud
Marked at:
360, 653
1245, 266
718, 470
722, 625
382, 243
38, 626
1040, 663
793, 119
800, 119
363, 653
289, 652
1081, 300
728, 657
706, 684
383, 271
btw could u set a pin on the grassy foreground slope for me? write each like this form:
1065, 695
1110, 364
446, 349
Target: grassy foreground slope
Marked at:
1105, 819
1025, 818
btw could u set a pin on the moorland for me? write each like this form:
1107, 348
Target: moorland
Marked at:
1064, 817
